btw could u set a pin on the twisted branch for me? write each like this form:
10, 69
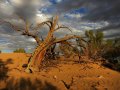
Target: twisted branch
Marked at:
62, 26
48, 23
67, 38
11, 25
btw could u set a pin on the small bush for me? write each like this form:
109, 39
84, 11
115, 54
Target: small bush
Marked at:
0, 51
20, 50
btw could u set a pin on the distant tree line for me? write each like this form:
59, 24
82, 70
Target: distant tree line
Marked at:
20, 50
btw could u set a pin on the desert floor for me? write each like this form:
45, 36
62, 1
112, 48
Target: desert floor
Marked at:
65, 76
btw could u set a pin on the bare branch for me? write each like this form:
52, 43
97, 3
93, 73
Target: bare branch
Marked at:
42, 38
27, 27
67, 43
48, 23
34, 36
62, 26
11, 25
66, 38
52, 28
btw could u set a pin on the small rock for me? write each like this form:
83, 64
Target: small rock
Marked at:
100, 77
55, 77
24, 65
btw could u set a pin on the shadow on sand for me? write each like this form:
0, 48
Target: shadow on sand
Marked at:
21, 84
27, 84
4, 69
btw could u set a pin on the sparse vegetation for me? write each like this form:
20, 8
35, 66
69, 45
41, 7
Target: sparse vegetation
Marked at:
94, 43
112, 54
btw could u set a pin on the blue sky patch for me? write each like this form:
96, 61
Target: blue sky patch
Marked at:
80, 10
55, 1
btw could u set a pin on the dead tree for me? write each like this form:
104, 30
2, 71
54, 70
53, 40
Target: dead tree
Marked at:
42, 45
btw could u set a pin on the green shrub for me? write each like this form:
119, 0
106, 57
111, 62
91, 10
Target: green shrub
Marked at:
20, 50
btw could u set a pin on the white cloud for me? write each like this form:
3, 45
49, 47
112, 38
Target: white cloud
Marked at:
72, 15
58, 1
6, 10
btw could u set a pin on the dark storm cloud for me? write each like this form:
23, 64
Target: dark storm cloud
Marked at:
111, 26
106, 10
98, 10
116, 35
25, 9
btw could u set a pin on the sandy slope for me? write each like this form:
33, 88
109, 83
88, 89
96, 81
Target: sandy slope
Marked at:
63, 77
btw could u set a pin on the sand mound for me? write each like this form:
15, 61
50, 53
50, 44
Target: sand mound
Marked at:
70, 76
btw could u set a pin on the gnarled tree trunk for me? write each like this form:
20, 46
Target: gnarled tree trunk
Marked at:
37, 57
39, 54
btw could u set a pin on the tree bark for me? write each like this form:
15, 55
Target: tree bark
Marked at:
37, 57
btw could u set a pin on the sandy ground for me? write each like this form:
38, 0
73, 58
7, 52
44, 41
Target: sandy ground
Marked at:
66, 76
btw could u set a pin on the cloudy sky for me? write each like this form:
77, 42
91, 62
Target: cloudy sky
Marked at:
79, 15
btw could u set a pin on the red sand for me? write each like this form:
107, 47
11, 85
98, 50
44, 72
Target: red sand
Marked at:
63, 77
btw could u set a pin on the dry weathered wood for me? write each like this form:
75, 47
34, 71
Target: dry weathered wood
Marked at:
48, 23
66, 38
62, 27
